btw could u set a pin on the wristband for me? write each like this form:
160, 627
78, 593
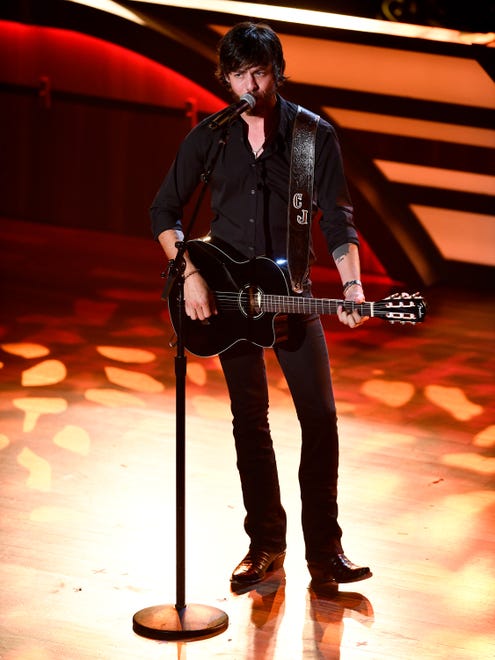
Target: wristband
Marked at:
350, 283
191, 273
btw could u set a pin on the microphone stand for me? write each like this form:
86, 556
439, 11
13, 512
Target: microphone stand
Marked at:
182, 621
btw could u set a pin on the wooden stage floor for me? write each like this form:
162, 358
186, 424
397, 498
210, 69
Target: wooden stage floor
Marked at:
87, 466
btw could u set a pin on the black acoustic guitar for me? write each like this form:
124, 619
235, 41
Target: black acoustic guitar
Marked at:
249, 293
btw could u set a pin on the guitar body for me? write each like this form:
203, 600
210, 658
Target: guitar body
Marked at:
239, 318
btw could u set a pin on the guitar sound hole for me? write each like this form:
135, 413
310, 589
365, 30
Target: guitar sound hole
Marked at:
249, 301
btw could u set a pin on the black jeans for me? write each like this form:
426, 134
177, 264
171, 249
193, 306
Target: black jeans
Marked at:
302, 353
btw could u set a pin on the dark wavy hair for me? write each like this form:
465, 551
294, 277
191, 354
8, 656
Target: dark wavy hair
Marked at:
250, 44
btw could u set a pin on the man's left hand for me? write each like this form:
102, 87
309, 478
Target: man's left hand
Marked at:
352, 319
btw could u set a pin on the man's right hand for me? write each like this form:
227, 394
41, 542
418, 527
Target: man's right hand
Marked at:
199, 300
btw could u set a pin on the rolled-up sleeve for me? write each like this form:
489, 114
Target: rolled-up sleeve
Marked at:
332, 194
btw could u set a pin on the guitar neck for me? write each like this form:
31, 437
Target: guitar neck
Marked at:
302, 305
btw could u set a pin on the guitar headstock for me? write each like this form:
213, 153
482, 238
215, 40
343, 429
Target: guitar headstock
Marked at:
401, 308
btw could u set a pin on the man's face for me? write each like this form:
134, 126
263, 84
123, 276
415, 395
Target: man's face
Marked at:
256, 80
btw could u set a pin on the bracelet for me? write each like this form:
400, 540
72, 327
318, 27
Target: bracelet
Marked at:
192, 272
350, 283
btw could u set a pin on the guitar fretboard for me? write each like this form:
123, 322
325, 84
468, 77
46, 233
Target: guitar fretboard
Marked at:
301, 305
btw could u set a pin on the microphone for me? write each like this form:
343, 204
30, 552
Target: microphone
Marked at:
232, 111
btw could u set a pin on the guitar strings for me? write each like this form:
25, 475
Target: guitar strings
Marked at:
260, 302
234, 297
232, 300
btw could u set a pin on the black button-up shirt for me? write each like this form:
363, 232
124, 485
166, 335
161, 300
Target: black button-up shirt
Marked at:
249, 196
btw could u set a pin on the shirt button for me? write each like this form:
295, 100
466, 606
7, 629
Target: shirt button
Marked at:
253, 191
251, 248
251, 220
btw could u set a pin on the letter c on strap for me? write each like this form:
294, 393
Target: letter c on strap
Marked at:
297, 200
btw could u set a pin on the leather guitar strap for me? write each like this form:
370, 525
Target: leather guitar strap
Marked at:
300, 206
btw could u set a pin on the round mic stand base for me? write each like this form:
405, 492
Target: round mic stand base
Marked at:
167, 622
